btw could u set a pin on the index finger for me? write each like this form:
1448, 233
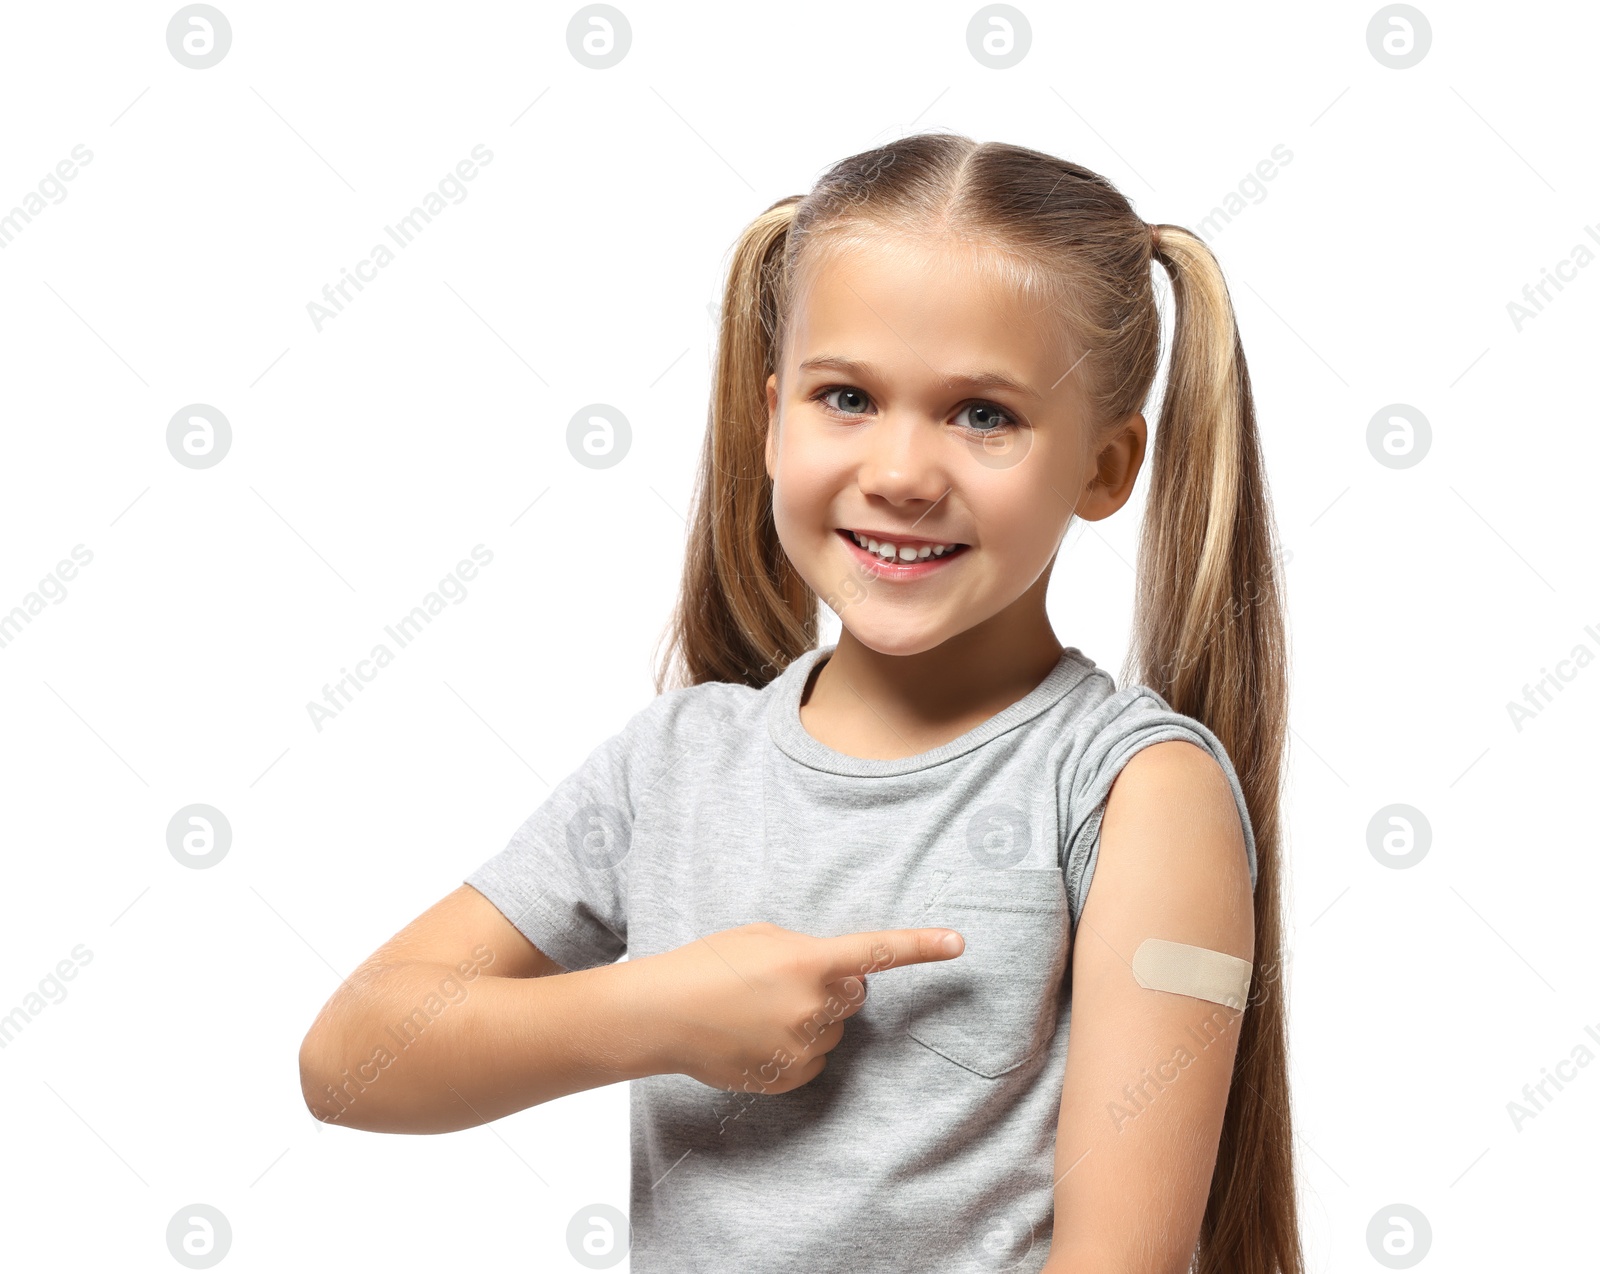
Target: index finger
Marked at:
874, 951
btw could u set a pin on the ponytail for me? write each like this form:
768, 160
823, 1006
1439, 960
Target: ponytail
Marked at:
1209, 638
743, 611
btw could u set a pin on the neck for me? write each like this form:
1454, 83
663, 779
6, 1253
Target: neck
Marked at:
867, 703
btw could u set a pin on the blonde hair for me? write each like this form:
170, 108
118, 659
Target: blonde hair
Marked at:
1208, 622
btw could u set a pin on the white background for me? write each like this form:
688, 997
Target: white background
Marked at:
368, 458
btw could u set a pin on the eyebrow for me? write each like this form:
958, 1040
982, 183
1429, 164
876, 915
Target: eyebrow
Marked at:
972, 380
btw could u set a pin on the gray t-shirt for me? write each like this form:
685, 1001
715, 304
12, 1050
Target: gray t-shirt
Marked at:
927, 1141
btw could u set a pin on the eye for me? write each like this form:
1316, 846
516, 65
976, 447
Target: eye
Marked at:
991, 419
823, 394
986, 417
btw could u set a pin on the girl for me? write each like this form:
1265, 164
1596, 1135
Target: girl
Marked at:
927, 367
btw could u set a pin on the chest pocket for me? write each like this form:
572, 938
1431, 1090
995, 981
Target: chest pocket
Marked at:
994, 1006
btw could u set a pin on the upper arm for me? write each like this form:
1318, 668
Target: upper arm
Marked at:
464, 926
1148, 1072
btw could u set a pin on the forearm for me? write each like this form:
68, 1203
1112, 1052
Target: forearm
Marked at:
389, 1054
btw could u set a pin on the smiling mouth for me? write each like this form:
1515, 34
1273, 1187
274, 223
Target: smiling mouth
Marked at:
905, 556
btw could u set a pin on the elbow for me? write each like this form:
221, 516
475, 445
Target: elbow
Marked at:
331, 1097
315, 1090
343, 1095
327, 1094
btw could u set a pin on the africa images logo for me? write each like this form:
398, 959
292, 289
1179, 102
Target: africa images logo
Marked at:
404, 234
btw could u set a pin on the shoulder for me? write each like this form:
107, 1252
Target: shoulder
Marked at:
709, 705
1105, 725
1131, 741
1176, 765
1173, 847
1105, 714
723, 709
1177, 792
696, 719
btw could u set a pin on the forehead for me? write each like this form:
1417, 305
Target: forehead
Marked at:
927, 309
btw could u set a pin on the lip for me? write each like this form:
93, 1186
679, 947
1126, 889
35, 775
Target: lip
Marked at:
884, 568
893, 537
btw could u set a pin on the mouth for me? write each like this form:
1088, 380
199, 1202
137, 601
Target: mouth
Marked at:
902, 558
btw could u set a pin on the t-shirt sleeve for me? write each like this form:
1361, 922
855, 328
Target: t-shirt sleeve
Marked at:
563, 878
1129, 720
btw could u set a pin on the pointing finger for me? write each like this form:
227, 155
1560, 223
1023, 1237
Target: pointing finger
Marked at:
872, 952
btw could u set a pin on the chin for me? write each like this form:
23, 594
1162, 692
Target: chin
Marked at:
897, 639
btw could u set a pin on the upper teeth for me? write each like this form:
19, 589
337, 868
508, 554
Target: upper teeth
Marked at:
905, 553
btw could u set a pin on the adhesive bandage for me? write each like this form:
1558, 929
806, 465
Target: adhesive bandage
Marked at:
1159, 965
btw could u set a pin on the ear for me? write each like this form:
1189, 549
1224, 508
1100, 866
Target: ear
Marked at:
1116, 469
772, 426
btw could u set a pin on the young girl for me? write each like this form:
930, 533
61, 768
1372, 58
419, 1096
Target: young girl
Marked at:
927, 367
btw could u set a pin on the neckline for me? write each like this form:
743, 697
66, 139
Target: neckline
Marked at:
791, 736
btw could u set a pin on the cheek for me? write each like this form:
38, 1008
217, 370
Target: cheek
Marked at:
806, 482
1021, 521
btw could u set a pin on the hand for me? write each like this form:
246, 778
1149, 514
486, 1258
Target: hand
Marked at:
758, 1008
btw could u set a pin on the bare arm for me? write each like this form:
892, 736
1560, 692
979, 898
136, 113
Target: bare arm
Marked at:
459, 1019
1148, 1072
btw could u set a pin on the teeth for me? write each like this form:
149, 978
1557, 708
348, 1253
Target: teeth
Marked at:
906, 553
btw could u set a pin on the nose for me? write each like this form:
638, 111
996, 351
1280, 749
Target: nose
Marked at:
904, 459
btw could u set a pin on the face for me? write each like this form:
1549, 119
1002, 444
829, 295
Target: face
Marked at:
922, 402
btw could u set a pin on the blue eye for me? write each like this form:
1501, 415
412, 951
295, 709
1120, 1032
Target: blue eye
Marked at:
841, 389
996, 418
991, 417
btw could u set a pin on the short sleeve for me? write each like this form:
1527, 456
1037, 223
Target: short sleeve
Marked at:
1127, 721
563, 878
